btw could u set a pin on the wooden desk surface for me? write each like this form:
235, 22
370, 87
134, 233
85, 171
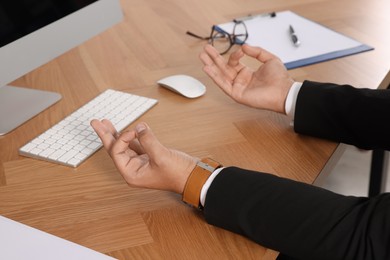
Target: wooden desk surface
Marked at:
92, 205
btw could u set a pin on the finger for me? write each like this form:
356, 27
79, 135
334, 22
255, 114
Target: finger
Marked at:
258, 53
120, 149
212, 52
219, 79
110, 127
205, 58
150, 143
242, 82
226, 70
234, 59
216, 58
214, 71
136, 146
104, 134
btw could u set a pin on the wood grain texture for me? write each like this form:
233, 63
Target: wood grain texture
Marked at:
92, 205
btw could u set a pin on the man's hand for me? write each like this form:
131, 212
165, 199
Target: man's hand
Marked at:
142, 160
265, 88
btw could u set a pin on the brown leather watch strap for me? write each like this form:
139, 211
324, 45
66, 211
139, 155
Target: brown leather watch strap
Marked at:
199, 175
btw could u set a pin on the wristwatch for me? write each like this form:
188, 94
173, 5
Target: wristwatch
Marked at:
199, 175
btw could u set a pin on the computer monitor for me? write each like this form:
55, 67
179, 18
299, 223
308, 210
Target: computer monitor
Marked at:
33, 32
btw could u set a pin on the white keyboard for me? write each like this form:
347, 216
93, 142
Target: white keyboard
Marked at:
72, 140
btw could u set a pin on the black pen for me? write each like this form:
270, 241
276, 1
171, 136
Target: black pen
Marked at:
250, 16
294, 36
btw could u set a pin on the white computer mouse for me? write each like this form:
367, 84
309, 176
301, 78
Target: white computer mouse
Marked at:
186, 86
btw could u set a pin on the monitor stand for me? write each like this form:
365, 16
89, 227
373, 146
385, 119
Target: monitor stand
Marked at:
17, 105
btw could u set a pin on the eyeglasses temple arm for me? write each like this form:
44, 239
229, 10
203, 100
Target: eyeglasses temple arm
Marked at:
197, 36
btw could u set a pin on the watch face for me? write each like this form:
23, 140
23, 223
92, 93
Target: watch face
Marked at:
206, 166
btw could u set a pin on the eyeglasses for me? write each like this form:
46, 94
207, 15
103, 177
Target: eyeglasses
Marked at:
224, 41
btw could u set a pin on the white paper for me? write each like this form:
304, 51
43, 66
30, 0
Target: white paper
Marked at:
272, 34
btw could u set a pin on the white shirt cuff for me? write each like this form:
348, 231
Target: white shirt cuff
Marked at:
207, 184
291, 99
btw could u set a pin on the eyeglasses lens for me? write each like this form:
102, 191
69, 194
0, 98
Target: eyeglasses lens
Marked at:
220, 41
240, 33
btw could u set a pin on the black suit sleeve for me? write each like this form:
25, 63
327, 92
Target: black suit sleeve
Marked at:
297, 219
300, 220
344, 114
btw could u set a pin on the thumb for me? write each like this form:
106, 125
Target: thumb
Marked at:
149, 143
259, 53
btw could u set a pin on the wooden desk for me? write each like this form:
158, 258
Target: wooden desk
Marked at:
92, 205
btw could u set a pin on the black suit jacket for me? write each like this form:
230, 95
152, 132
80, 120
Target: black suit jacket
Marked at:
300, 220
